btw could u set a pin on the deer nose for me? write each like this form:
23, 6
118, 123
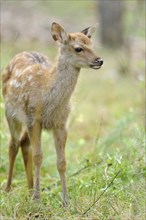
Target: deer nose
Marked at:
99, 61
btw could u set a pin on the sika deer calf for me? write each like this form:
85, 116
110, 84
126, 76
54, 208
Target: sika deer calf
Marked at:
37, 97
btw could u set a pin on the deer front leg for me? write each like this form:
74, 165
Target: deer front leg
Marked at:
35, 140
60, 136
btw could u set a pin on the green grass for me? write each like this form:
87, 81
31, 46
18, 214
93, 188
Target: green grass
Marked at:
106, 135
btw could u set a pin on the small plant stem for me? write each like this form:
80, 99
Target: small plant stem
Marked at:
102, 192
84, 168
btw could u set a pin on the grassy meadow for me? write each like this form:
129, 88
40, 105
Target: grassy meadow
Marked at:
105, 148
106, 136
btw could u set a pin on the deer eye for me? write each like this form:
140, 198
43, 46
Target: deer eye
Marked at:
78, 49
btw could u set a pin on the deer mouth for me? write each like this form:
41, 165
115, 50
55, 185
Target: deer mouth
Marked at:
96, 64
95, 67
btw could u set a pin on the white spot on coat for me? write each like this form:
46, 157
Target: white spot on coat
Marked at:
15, 83
29, 78
17, 73
29, 68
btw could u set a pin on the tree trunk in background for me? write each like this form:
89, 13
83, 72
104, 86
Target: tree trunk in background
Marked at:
111, 22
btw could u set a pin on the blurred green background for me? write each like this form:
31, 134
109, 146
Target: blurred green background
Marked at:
106, 126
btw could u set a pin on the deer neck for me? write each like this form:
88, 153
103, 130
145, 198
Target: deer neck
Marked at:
64, 81
66, 71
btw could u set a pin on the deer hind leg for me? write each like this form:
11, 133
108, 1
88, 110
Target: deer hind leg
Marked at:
15, 130
35, 140
60, 136
27, 158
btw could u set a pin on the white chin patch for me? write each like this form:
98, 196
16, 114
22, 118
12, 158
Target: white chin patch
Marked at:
95, 67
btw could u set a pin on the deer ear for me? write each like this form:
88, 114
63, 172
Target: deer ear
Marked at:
89, 31
58, 33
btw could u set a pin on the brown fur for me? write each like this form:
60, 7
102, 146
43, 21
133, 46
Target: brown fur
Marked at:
37, 95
